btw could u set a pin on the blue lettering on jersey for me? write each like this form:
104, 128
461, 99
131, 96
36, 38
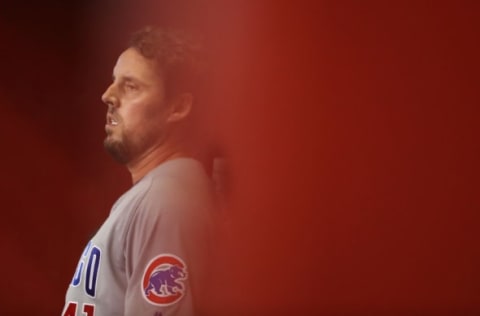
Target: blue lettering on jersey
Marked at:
89, 262
78, 274
79, 271
92, 271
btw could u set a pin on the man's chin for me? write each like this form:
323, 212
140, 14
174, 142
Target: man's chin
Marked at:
117, 150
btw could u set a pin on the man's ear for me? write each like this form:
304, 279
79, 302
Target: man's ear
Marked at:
180, 107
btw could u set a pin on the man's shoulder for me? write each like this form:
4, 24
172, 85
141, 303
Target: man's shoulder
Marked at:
179, 181
183, 172
179, 192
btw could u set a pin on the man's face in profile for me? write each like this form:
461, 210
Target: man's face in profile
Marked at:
137, 108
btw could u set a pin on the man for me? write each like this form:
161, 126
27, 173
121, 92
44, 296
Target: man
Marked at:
149, 257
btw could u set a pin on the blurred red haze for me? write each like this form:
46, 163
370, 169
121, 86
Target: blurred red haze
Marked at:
351, 135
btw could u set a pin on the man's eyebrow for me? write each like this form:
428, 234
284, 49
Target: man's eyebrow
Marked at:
128, 78
125, 78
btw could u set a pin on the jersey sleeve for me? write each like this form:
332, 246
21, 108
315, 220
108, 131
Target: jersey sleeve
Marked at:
166, 251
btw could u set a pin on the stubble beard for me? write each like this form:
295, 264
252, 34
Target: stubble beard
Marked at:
117, 149
124, 149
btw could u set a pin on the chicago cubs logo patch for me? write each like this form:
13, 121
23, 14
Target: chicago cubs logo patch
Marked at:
163, 278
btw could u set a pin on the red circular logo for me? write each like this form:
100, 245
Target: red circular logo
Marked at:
163, 280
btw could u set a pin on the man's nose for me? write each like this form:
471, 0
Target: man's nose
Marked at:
109, 98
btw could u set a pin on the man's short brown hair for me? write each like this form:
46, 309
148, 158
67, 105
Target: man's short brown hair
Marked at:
179, 55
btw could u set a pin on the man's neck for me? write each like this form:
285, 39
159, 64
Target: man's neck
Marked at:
153, 158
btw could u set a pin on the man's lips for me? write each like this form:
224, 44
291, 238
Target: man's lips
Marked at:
111, 120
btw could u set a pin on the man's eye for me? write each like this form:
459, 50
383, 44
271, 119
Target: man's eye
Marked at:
130, 86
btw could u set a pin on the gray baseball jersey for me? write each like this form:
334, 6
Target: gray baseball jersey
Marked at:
149, 257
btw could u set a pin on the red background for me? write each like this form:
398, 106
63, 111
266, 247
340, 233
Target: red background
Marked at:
351, 135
